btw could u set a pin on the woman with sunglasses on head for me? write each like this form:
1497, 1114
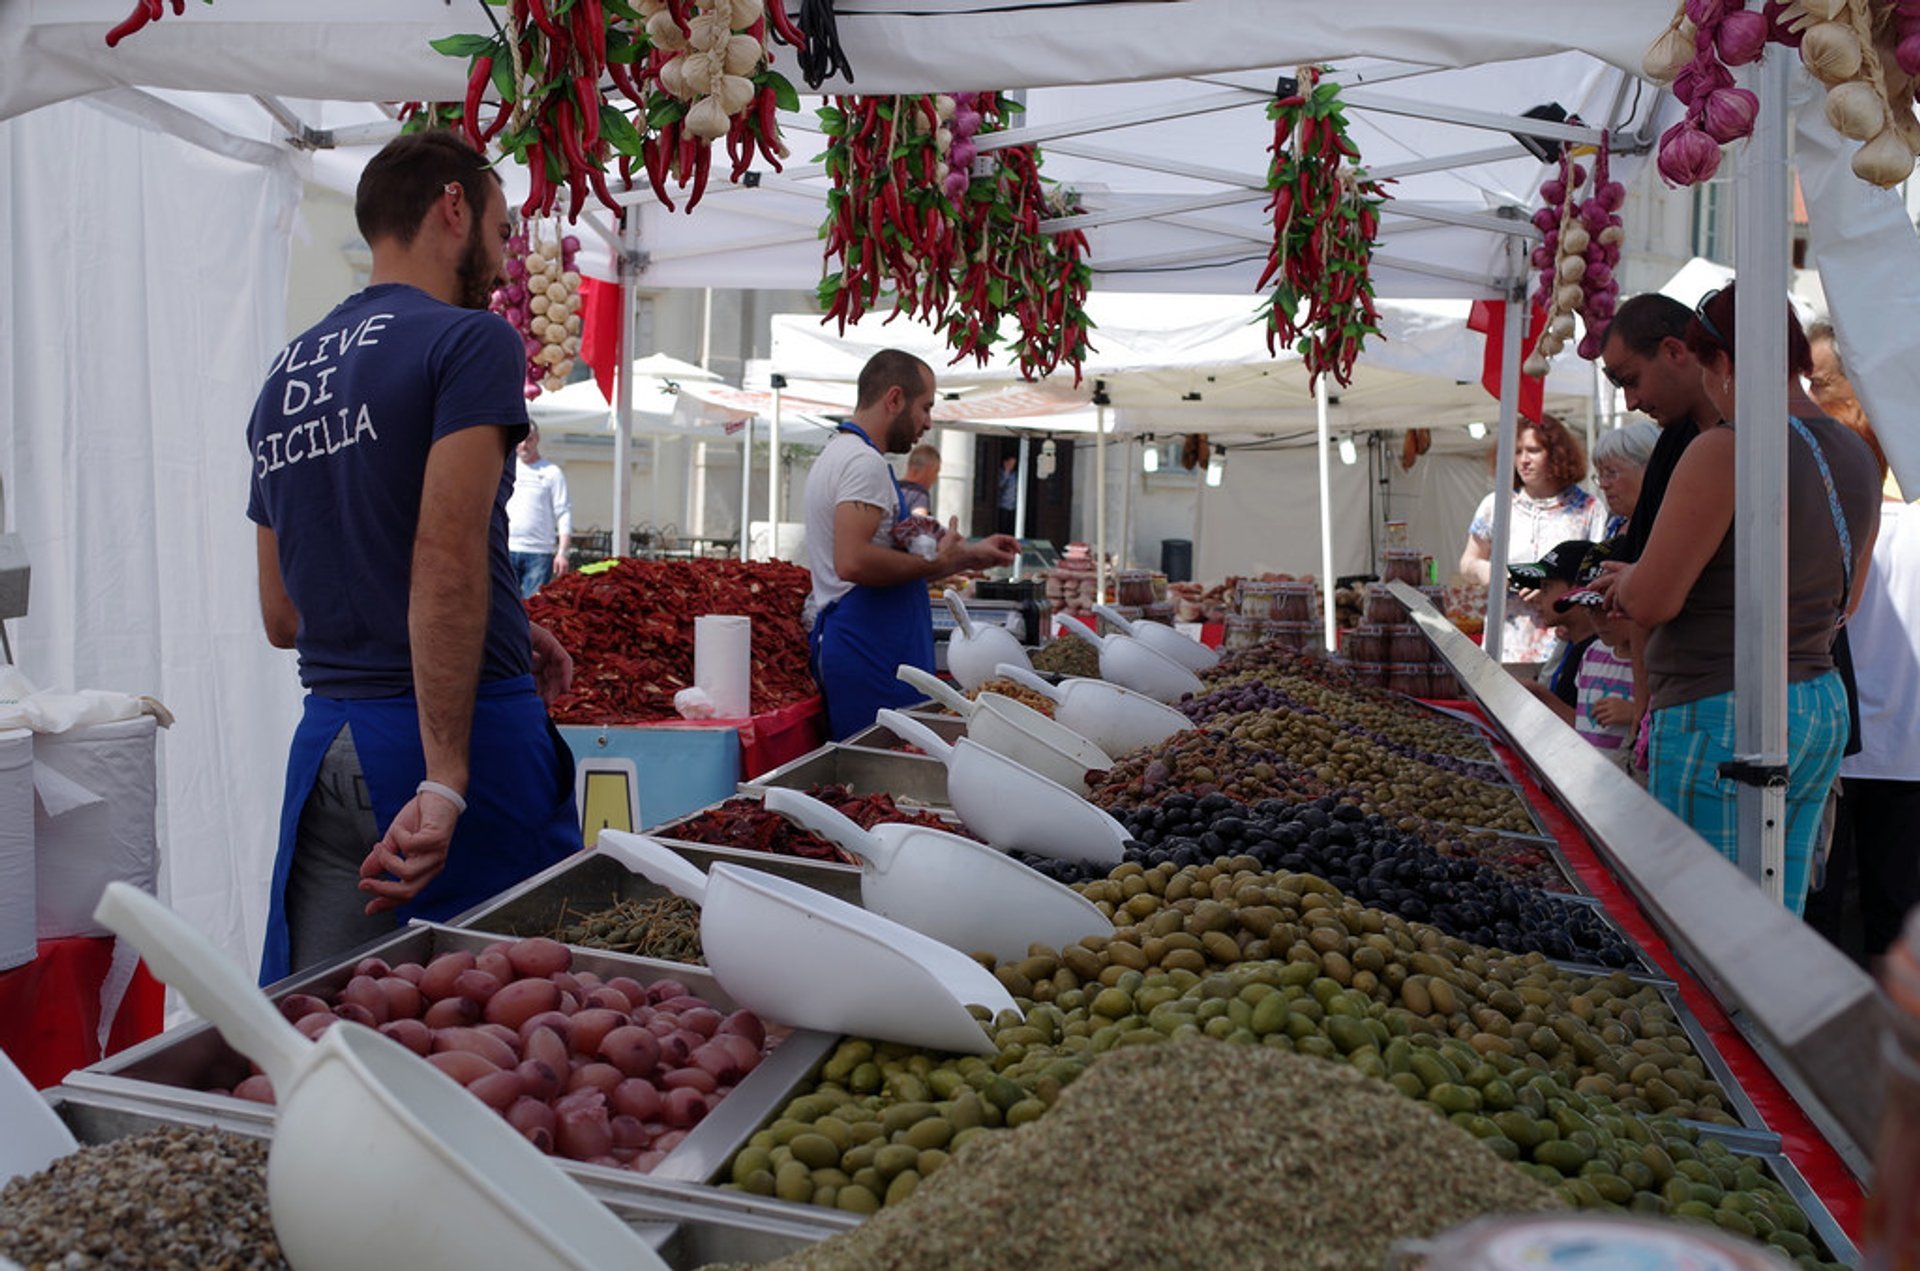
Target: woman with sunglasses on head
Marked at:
1682, 590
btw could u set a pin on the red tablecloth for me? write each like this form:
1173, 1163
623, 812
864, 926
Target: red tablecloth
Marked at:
50, 1009
1802, 1143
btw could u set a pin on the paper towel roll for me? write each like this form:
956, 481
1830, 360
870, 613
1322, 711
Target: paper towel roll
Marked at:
723, 662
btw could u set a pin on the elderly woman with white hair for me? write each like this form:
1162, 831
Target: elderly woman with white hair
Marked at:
1619, 462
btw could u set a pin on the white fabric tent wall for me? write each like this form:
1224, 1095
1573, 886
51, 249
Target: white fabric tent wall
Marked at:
1264, 514
145, 296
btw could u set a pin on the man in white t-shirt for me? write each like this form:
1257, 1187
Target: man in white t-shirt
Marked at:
871, 606
539, 517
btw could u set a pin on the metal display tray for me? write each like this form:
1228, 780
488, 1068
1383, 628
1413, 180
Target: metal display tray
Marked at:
914, 781
949, 728
590, 881
688, 1225
173, 1070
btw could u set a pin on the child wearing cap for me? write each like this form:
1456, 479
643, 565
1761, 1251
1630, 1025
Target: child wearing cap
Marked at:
1540, 585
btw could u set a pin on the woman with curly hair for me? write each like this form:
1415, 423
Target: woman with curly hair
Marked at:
1549, 506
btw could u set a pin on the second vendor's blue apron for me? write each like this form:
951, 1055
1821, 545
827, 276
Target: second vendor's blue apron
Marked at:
520, 815
860, 640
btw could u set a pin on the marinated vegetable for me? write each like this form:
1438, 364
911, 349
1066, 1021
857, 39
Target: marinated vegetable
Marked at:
666, 927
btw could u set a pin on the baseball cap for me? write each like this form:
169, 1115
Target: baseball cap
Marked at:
1583, 593
1563, 563
1586, 596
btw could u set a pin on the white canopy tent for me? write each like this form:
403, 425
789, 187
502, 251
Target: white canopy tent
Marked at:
201, 192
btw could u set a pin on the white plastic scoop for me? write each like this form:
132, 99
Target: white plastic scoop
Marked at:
974, 650
1018, 731
1162, 639
379, 1159
960, 892
36, 1137
1114, 718
1011, 805
1127, 662
796, 955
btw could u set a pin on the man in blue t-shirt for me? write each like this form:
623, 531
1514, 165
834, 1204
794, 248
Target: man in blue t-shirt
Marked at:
424, 776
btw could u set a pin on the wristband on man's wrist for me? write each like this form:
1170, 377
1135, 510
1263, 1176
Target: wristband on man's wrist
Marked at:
446, 792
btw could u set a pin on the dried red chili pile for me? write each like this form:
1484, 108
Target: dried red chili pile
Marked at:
629, 630
869, 810
747, 825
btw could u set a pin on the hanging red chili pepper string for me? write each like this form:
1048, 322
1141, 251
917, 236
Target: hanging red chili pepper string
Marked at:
1325, 213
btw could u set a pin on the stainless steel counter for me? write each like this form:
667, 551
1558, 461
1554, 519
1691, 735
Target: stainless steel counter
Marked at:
1817, 1017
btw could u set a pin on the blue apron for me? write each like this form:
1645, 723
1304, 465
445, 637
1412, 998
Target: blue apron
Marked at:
520, 815
860, 640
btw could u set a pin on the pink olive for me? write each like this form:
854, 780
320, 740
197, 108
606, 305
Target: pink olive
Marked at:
452, 1012
411, 1033
437, 981
538, 956
255, 1089
474, 1041
638, 1097
514, 1004
296, 1006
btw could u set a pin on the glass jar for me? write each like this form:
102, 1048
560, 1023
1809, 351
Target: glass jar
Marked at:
1243, 632
1293, 602
1132, 613
1161, 612
1134, 587
1255, 598
1411, 680
1365, 643
1395, 533
1382, 607
1892, 1227
1407, 645
1404, 565
1160, 594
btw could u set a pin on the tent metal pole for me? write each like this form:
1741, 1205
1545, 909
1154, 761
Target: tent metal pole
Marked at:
1324, 440
1022, 473
1513, 333
1100, 502
629, 270
1131, 468
1760, 484
773, 479
746, 488
697, 489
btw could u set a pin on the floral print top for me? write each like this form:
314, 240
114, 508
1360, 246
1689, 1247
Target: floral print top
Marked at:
1536, 525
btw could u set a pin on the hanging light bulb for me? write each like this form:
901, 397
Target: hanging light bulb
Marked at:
1150, 457
1476, 430
1217, 467
1349, 455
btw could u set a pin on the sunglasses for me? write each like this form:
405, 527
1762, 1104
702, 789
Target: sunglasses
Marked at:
1714, 332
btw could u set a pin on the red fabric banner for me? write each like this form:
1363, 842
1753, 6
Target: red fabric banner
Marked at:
600, 331
1489, 317
50, 1009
